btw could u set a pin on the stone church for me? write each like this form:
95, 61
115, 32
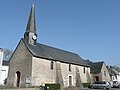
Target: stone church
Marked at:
35, 64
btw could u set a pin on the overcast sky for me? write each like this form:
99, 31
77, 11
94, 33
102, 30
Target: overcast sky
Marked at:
90, 28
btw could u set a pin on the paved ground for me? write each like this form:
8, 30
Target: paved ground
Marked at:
95, 89
102, 89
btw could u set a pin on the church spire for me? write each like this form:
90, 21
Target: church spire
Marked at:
30, 35
31, 26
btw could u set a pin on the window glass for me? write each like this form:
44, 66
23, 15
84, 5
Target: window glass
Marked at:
84, 69
52, 65
69, 67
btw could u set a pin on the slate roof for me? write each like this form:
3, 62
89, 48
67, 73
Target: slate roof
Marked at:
5, 63
51, 53
113, 71
95, 66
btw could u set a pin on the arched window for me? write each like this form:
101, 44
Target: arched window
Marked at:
69, 67
70, 80
84, 69
52, 65
18, 78
104, 73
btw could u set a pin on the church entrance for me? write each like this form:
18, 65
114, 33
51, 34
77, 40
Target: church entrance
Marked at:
17, 78
70, 80
96, 78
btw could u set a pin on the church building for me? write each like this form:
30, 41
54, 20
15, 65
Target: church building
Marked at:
35, 64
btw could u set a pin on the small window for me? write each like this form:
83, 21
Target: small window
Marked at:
84, 69
52, 65
96, 78
70, 80
104, 73
69, 67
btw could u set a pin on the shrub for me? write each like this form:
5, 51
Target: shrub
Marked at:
86, 84
53, 86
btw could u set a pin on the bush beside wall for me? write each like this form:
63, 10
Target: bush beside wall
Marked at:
86, 84
53, 86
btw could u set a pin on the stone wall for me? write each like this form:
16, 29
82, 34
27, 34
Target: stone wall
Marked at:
105, 73
85, 75
37, 71
22, 89
42, 72
66, 74
20, 61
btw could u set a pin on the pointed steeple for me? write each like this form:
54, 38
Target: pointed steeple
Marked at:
30, 35
31, 26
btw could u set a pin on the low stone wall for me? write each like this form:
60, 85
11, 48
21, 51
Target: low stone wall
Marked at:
21, 89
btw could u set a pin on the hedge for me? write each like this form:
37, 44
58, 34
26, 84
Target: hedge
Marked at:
53, 86
86, 84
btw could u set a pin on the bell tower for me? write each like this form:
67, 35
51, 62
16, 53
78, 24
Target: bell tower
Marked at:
30, 35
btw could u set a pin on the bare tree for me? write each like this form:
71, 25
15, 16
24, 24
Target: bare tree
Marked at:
7, 54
